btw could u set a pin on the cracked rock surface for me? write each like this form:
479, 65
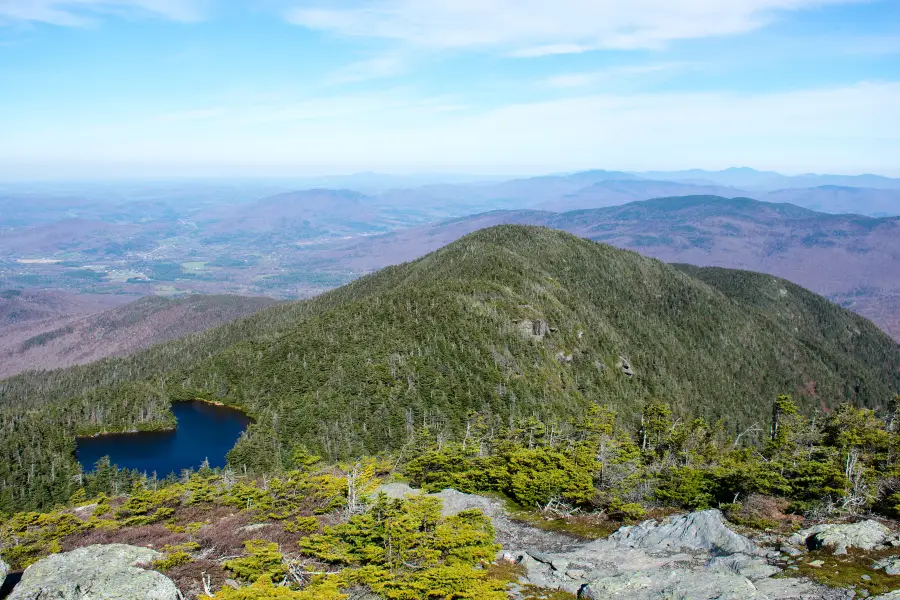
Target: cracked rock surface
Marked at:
99, 572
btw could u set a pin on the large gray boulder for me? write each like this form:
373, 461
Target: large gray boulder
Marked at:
704, 530
672, 583
866, 535
100, 572
4, 571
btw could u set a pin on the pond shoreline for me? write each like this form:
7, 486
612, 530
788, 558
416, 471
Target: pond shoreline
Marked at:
164, 428
198, 431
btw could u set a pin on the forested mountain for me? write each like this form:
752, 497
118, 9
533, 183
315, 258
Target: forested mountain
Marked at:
852, 259
509, 321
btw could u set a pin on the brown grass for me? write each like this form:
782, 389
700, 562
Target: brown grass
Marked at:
149, 536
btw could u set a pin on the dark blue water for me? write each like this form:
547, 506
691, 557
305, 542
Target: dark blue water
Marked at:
204, 431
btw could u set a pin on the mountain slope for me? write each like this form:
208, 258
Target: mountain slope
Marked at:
356, 370
79, 339
851, 258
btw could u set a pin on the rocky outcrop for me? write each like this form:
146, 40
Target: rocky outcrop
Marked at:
396, 491
4, 571
692, 556
866, 535
510, 534
672, 583
687, 557
100, 572
703, 530
891, 565
625, 366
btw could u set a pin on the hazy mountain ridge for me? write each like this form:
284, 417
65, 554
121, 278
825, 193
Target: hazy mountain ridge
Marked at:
72, 337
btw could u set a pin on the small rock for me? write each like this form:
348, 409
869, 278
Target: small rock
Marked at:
791, 551
108, 572
563, 357
254, 527
891, 565
865, 535
817, 563
865, 578
232, 584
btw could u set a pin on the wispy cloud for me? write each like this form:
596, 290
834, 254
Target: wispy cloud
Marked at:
83, 12
201, 114
530, 28
847, 128
624, 73
378, 67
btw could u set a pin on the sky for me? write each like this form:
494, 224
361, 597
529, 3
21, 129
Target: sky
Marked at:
105, 88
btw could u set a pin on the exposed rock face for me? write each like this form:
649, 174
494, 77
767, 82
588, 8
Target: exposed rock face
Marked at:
672, 583
510, 535
100, 572
540, 328
691, 557
4, 571
751, 567
704, 530
866, 535
533, 329
625, 366
397, 491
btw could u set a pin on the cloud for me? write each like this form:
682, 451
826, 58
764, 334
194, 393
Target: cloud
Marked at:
201, 114
615, 74
379, 67
82, 12
530, 28
843, 129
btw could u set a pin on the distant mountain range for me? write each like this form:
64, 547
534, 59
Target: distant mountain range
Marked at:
297, 239
744, 177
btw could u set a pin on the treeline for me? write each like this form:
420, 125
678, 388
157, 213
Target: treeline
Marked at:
843, 462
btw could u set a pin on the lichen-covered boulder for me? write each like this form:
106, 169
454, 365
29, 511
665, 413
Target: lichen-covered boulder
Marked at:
672, 583
704, 530
891, 565
866, 535
100, 572
4, 571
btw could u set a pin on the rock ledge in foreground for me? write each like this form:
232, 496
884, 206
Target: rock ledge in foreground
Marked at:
99, 572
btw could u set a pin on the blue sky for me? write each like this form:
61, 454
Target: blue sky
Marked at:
276, 87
